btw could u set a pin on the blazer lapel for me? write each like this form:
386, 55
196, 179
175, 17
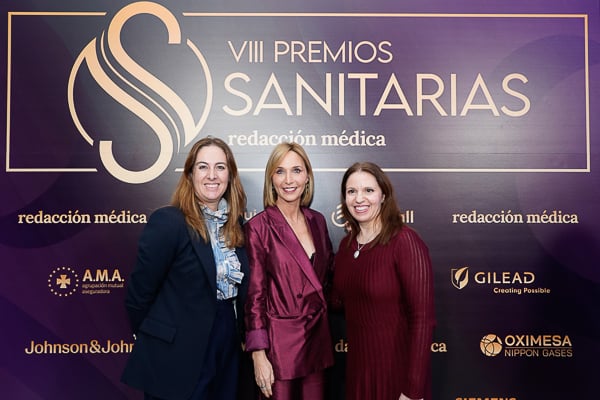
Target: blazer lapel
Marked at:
207, 260
319, 251
288, 238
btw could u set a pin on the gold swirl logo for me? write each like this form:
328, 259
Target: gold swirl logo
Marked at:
337, 218
126, 81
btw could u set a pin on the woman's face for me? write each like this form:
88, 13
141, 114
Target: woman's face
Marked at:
210, 175
363, 197
290, 178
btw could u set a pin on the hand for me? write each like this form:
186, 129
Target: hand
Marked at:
263, 372
404, 397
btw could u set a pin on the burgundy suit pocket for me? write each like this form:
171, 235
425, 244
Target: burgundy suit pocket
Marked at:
291, 339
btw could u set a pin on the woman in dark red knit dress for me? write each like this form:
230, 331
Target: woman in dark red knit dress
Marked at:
384, 282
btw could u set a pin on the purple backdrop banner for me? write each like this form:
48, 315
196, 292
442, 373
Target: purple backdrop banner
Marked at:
483, 114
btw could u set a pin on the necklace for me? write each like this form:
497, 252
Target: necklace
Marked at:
358, 249
359, 246
367, 239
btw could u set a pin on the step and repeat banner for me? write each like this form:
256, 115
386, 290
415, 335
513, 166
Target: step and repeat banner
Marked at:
484, 115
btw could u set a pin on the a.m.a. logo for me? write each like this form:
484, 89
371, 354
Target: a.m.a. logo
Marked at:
102, 276
459, 277
63, 281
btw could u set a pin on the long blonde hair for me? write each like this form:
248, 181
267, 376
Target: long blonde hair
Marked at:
185, 198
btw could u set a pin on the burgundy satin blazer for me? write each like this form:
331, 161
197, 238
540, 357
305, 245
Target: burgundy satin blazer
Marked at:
286, 309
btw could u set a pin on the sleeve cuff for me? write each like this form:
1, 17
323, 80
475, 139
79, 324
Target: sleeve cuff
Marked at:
257, 340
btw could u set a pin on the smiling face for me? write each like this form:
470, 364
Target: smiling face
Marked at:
210, 175
290, 178
363, 197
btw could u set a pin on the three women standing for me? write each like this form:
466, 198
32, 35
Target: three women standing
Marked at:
186, 294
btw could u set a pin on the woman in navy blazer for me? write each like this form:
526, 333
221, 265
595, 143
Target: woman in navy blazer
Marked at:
290, 262
189, 284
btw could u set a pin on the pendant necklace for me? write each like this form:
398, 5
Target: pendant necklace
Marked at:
358, 248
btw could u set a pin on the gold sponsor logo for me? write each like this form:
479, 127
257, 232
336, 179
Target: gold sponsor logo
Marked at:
63, 281
459, 277
527, 345
337, 219
94, 346
490, 345
101, 281
502, 282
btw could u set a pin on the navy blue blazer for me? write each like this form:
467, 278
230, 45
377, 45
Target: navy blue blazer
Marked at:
171, 303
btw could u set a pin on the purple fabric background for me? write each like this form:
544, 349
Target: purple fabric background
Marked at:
542, 162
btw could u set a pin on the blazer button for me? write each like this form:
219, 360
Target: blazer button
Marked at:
299, 295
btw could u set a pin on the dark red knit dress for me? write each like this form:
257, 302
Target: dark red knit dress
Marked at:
387, 295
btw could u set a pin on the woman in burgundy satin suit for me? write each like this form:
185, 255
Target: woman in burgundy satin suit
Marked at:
290, 257
384, 281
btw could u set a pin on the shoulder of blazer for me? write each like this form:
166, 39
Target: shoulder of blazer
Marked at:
166, 215
273, 216
259, 220
168, 212
168, 220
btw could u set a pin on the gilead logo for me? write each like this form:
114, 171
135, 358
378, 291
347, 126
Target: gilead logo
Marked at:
143, 94
459, 277
502, 282
504, 278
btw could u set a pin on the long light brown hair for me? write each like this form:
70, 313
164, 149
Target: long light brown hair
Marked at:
187, 201
389, 216
280, 151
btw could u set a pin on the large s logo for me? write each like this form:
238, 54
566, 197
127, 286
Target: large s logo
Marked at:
166, 127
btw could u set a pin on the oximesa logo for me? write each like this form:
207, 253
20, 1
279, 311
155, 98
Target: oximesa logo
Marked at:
490, 345
161, 109
546, 345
